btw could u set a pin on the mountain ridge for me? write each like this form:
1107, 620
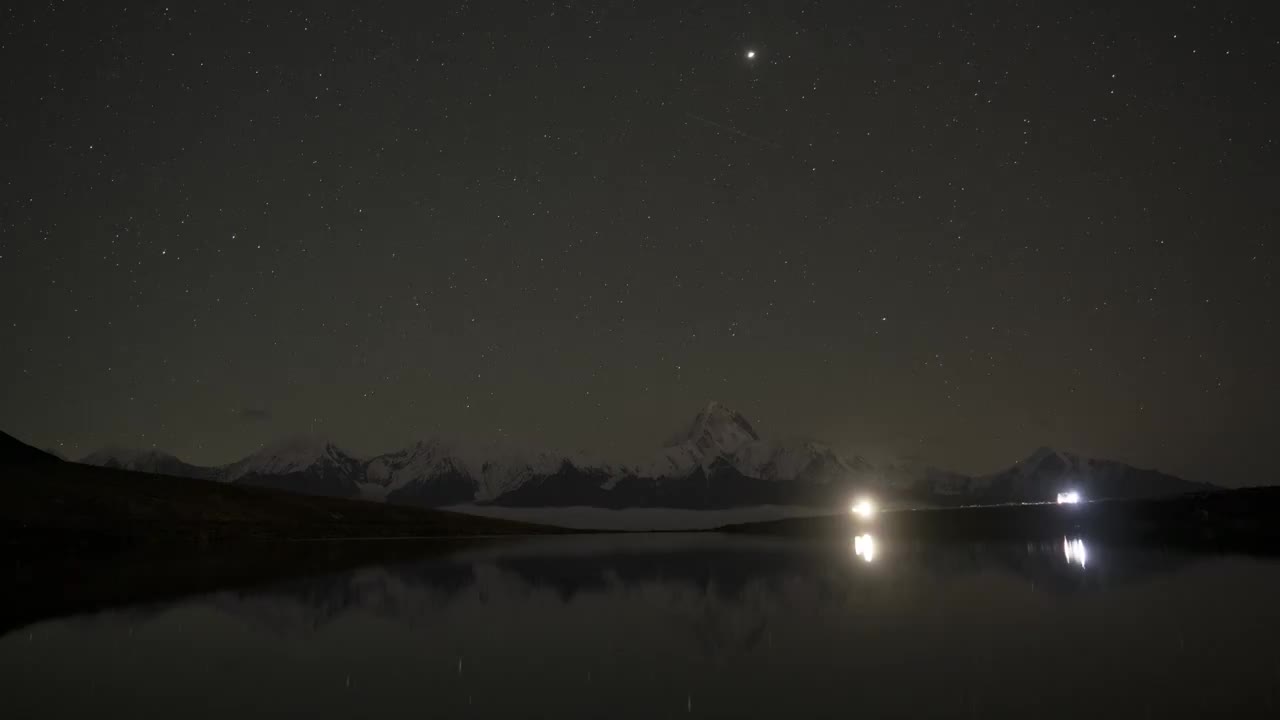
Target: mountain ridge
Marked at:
13, 450
149, 461
718, 460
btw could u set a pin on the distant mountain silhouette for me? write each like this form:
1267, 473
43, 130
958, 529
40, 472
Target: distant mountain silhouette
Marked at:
1045, 473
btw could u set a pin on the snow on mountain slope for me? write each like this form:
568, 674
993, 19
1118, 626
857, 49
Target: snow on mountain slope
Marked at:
719, 433
798, 460
717, 429
1041, 476
422, 461
716, 432
1047, 472
718, 460
500, 468
438, 471
147, 461
490, 469
293, 455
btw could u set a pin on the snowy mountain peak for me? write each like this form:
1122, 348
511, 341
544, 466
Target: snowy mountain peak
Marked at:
487, 469
291, 455
721, 435
1046, 459
1039, 454
147, 460
122, 457
717, 429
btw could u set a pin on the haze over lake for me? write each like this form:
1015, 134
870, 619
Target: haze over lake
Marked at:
690, 625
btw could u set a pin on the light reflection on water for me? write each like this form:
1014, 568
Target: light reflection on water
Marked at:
1075, 552
653, 626
869, 548
864, 546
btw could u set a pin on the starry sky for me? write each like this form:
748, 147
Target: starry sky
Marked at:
945, 232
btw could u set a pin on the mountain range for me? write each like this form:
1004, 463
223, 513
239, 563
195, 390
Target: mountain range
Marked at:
718, 461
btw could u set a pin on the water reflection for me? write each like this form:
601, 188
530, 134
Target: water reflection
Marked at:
864, 546
655, 626
1075, 552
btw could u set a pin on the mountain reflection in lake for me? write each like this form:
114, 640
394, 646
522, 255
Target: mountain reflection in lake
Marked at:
693, 625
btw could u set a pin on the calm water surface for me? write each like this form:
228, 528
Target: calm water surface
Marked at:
688, 625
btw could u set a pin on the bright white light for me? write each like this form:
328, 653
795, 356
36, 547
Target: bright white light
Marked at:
1075, 552
751, 54
864, 546
1068, 498
864, 508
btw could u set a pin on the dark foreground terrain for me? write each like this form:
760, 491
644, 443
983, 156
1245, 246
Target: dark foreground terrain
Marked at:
60, 504
1231, 520
76, 538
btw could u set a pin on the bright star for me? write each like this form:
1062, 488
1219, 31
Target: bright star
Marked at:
751, 54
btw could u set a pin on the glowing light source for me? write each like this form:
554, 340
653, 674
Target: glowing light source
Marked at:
1071, 497
1075, 552
864, 546
751, 54
864, 508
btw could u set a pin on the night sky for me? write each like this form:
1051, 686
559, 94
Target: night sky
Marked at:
946, 231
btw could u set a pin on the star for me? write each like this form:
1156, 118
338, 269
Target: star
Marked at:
751, 54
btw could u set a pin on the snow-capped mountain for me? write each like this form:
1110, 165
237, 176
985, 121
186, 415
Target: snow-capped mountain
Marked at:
719, 434
804, 460
442, 471
147, 461
716, 432
308, 465
718, 461
1046, 472
424, 471
1043, 474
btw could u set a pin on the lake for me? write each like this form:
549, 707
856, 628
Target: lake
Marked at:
688, 625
